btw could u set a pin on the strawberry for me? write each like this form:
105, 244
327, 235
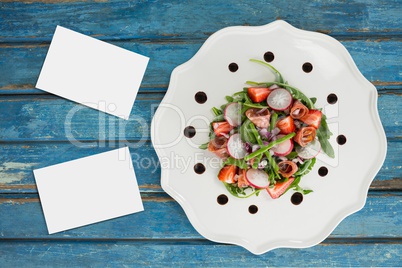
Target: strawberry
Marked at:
286, 125
258, 94
279, 188
221, 128
227, 174
312, 118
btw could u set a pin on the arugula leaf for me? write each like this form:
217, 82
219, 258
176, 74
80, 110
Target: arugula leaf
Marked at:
323, 134
237, 162
292, 155
245, 132
280, 77
240, 192
216, 111
313, 100
204, 146
229, 98
306, 167
219, 118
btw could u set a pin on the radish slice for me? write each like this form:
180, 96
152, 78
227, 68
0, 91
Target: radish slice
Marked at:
235, 146
280, 99
232, 114
257, 178
284, 148
311, 150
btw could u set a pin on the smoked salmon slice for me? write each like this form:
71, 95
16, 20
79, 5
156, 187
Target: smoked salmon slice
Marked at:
287, 168
305, 135
298, 110
259, 117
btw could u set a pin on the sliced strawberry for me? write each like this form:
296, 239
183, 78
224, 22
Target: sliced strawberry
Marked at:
279, 188
312, 118
221, 128
258, 94
227, 174
286, 125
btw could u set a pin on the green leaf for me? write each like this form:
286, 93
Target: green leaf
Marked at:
323, 135
216, 111
219, 118
313, 100
240, 192
280, 77
229, 98
245, 132
306, 167
237, 162
291, 155
204, 146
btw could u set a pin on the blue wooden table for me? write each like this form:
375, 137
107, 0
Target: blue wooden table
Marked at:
33, 131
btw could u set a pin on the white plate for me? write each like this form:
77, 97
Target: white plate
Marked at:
278, 223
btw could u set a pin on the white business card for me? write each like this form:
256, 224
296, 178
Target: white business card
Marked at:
92, 72
88, 190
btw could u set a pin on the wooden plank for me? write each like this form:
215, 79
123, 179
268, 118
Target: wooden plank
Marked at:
50, 118
18, 160
118, 19
163, 218
379, 60
193, 254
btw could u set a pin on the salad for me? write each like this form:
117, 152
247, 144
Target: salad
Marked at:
268, 136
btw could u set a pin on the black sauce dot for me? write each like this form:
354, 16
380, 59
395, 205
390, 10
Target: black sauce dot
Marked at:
332, 98
233, 67
199, 168
269, 56
222, 199
296, 198
200, 97
307, 67
341, 139
189, 132
253, 209
323, 171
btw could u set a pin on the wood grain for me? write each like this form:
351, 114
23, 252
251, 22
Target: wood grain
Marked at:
163, 218
50, 118
379, 61
119, 19
18, 160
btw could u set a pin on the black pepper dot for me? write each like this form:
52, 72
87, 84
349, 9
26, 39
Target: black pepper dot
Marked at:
253, 209
323, 171
269, 56
307, 67
341, 139
296, 198
189, 132
332, 98
199, 168
200, 97
233, 67
222, 199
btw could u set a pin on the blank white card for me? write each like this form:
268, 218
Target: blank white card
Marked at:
88, 190
92, 72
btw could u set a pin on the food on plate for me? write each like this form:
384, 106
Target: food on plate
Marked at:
268, 136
